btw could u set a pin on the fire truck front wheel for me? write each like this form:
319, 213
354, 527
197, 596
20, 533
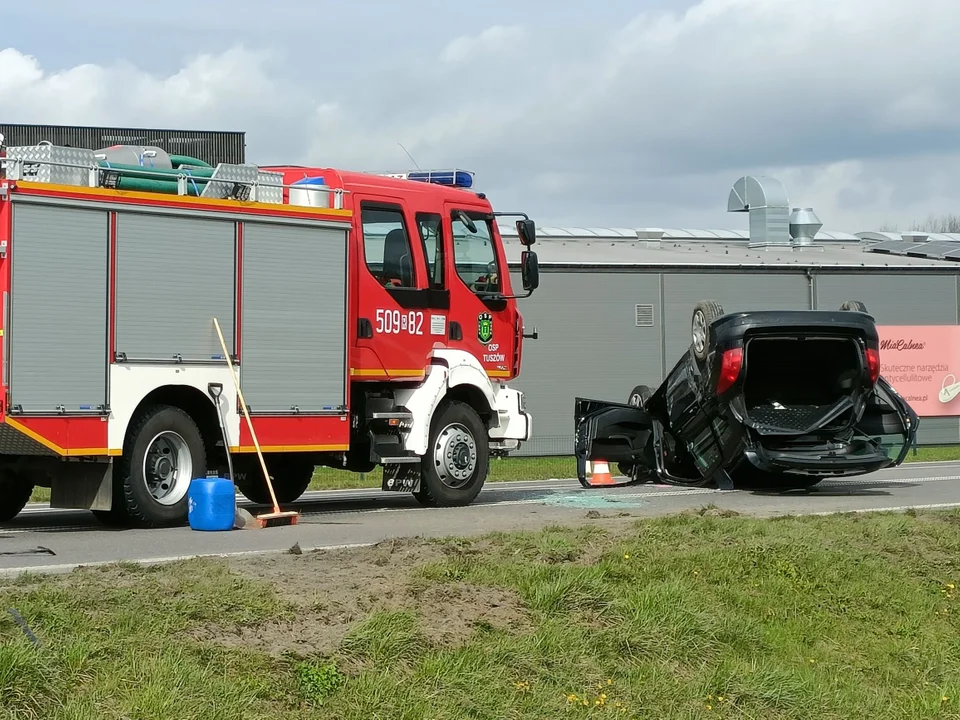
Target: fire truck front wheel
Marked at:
455, 466
164, 452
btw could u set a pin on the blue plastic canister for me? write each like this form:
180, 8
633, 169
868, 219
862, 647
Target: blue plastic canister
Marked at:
211, 504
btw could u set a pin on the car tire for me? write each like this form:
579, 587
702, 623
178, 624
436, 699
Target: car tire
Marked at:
15, 492
854, 306
455, 466
638, 398
704, 314
166, 438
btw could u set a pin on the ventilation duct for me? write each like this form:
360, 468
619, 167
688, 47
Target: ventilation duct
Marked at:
766, 201
804, 226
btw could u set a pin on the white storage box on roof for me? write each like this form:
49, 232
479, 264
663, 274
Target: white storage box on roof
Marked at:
310, 192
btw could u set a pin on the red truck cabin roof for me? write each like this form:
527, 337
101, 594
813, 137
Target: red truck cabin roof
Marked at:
352, 181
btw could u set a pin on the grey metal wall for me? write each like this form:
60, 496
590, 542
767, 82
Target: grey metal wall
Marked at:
57, 334
293, 340
734, 291
900, 299
174, 275
590, 344
210, 146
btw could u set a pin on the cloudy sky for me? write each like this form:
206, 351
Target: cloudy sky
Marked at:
610, 113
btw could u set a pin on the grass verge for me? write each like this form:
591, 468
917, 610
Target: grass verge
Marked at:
699, 615
514, 468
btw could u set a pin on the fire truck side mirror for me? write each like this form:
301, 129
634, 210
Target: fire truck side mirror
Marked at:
529, 270
527, 230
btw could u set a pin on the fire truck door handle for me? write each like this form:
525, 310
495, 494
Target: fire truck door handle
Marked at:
456, 333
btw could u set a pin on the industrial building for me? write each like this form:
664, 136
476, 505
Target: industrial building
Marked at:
210, 146
613, 307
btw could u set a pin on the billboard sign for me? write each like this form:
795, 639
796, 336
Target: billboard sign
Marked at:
923, 363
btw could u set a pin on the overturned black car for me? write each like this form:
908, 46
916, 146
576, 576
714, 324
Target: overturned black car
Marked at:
781, 398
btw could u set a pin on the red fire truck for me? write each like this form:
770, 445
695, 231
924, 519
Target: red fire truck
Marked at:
370, 320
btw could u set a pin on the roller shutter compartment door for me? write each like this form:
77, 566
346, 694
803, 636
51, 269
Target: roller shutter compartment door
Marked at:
293, 343
57, 332
174, 275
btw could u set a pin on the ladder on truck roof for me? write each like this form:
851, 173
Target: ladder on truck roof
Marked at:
152, 169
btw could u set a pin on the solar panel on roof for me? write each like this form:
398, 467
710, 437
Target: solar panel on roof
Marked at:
933, 249
893, 247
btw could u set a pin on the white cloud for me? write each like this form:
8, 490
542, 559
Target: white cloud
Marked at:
850, 103
496, 39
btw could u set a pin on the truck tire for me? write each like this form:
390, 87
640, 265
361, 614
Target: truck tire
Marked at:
455, 466
163, 453
291, 477
638, 398
15, 492
854, 306
704, 313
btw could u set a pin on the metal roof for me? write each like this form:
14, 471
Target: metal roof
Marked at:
509, 230
596, 254
663, 247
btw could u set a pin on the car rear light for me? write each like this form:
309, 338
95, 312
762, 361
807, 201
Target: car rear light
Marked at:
730, 364
873, 364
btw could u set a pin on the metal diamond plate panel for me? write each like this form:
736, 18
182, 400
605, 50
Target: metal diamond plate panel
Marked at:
37, 167
248, 175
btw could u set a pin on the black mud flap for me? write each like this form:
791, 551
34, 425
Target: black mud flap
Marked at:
888, 414
613, 433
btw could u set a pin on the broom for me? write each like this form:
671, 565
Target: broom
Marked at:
277, 517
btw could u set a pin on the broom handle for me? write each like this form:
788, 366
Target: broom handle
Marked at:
243, 405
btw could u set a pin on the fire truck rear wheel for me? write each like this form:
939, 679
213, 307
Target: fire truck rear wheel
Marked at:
455, 466
15, 492
164, 452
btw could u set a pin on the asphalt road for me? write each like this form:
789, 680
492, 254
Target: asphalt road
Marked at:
45, 540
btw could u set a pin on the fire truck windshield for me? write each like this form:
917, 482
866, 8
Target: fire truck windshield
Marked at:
474, 255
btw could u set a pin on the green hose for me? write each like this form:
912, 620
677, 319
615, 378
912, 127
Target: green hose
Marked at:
125, 182
149, 173
179, 160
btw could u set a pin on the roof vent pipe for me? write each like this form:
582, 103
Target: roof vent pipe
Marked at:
765, 199
804, 226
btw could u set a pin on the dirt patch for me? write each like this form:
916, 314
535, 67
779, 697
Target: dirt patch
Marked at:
328, 593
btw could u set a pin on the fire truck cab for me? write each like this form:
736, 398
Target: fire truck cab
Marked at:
370, 320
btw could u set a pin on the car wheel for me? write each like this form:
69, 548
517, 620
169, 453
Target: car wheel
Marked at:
854, 306
638, 398
457, 460
704, 314
164, 453
15, 492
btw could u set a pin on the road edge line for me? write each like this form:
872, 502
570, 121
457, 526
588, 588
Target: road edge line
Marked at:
64, 568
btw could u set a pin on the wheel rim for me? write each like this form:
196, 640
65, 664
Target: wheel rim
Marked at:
455, 455
167, 468
699, 331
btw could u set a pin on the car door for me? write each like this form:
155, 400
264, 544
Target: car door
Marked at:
483, 323
887, 415
394, 330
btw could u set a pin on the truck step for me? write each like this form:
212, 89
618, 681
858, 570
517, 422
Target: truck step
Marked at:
393, 415
401, 459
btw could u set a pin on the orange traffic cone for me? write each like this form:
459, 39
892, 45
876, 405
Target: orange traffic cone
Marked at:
601, 473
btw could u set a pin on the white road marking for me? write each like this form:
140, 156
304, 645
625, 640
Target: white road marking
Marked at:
67, 567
